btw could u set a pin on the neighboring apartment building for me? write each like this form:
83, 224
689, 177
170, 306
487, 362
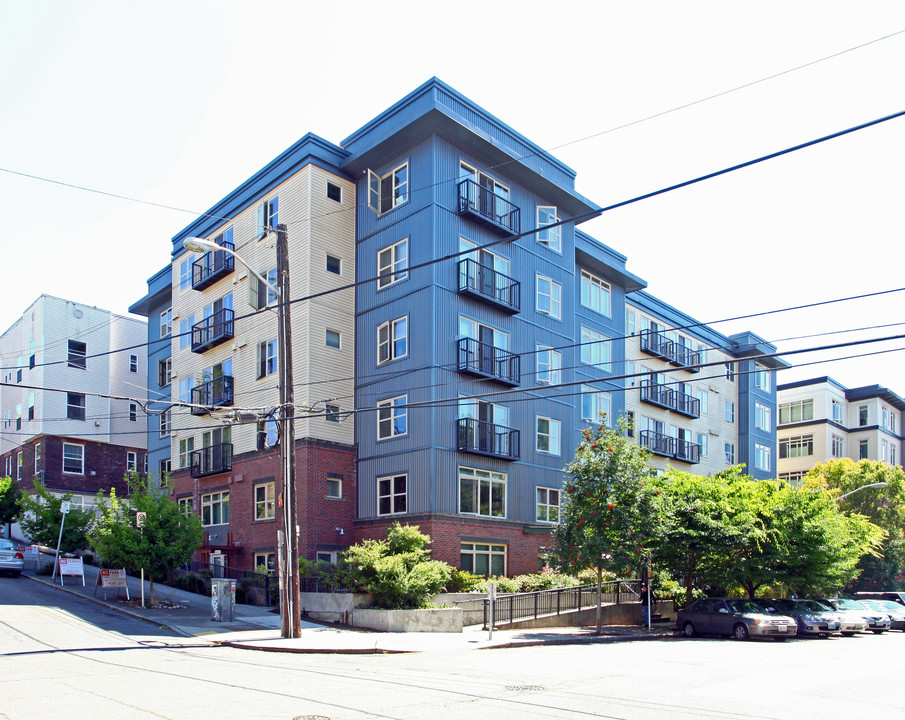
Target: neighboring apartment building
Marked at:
480, 339
60, 422
820, 419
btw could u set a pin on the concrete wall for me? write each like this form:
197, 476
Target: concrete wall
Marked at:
433, 620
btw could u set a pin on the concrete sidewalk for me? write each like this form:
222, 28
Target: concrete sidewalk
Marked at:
258, 628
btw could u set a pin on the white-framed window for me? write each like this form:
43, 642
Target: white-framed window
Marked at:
483, 559
334, 485
9, 466
186, 504
392, 262
164, 371
38, 464
166, 323
762, 417
595, 293
549, 364
186, 447
549, 236
78, 354
796, 446
332, 413
20, 460
482, 492
388, 191
392, 340
75, 406
892, 454
73, 459
730, 372
261, 294
762, 457
266, 560
392, 494
793, 478
392, 417
838, 446
729, 411
884, 451
549, 297
703, 396
547, 505
863, 416
333, 338
268, 216
133, 363
131, 461
268, 358
594, 404
185, 332
185, 275
334, 265
265, 501
164, 468
325, 556
133, 412
165, 423
887, 419
796, 411
334, 192
762, 378
702, 444
837, 412
729, 453
549, 435
595, 348
863, 449
215, 508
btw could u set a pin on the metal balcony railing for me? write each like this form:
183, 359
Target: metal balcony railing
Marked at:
485, 360
686, 404
657, 394
214, 393
212, 460
668, 446
213, 330
481, 204
212, 266
656, 344
688, 451
485, 438
685, 357
489, 285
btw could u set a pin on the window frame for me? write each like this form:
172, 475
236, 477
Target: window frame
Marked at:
550, 296
795, 446
553, 435
264, 495
337, 480
390, 345
729, 453
387, 272
268, 212
81, 458
393, 497
763, 457
77, 356
384, 193
327, 336
337, 261
591, 282
597, 396
593, 342
549, 365
478, 477
542, 497
549, 237
210, 501
131, 461
389, 412
73, 408
338, 192
166, 322
763, 417
491, 550
268, 358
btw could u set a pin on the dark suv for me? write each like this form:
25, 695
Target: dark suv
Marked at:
898, 597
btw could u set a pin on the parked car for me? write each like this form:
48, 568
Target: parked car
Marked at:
876, 622
11, 560
895, 611
732, 616
896, 597
813, 618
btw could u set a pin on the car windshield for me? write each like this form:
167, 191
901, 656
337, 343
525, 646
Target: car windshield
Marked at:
781, 605
816, 605
846, 604
6, 545
888, 606
745, 606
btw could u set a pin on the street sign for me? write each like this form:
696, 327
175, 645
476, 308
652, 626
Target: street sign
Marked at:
64, 507
140, 518
114, 578
72, 566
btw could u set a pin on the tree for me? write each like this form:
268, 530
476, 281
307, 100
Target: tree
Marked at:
169, 538
42, 515
9, 500
611, 510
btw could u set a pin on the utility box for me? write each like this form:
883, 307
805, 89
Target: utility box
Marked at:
223, 599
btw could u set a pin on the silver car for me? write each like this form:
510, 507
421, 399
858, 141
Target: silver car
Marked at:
11, 560
736, 617
874, 621
895, 611
813, 618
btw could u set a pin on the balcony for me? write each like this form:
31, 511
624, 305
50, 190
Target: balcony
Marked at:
485, 438
213, 330
688, 451
212, 460
490, 286
686, 404
487, 361
657, 394
668, 446
492, 211
656, 344
214, 393
685, 357
212, 266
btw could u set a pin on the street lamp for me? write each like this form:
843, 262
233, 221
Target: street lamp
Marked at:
863, 487
290, 610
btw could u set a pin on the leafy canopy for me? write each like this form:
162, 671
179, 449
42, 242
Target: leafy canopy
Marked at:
42, 516
9, 500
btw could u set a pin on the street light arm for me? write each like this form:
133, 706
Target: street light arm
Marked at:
863, 487
200, 245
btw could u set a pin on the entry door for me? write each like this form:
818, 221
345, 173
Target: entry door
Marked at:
218, 563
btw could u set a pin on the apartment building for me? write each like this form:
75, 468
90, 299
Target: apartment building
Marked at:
820, 419
63, 419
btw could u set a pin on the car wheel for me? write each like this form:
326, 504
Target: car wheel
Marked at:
847, 634
688, 629
740, 632
878, 632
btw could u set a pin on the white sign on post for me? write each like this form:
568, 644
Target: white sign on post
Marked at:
64, 507
140, 518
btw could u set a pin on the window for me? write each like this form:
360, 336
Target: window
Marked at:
797, 446
549, 433
267, 434
392, 340
185, 275
266, 560
549, 362
595, 348
702, 444
133, 363
265, 505
260, 294
75, 406
729, 453
392, 417
131, 461
9, 466
32, 357
863, 449
482, 492
595, 405
729, 411
547, 505
133, 412
332, 338
762, 378
549, 297
391, 495
892, 454
595, 293
391, 263
887, 419
730, 372
762, 459
215, 508
19, 416
797, 411
488, 560
793, 478
334, 265
325, 556
73, 459
268, 217
884, 451
166, 323
185, 332
549, 236
334, 192
186, 446
762, 417
703, 397
185, 389
387, 191
164, 371
267, 358
837, 411
165, 423
862, 416
331, 413
838, 446
164, 468
38, 464
334, 485
78, 352
19, 462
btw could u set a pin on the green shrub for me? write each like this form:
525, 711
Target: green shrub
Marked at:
44, 569
462, 581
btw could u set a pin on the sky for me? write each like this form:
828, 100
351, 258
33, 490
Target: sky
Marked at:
175, 103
